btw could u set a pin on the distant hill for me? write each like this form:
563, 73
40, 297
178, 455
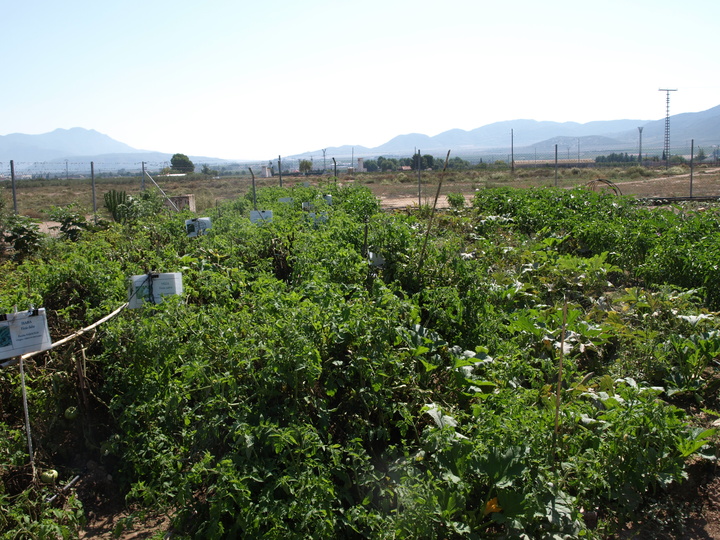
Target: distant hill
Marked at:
80, 145
612, 135
59, 144
703, 127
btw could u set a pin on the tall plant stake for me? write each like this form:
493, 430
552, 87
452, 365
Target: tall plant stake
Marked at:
432, 214
27, 418
559, 382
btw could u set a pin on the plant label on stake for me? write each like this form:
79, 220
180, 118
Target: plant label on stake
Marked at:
197, 226
317, 219
153, 288
376, 259
261, 216
24, 332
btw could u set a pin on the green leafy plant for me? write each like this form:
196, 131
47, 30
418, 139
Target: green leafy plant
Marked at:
23, 236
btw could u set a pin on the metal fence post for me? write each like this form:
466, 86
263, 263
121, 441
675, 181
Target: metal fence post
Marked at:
12, 180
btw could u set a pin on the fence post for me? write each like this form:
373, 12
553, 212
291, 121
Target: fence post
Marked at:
556, 166
692, 157
419, 160
92, 178
253, 189
12, 180
280, 170
512, 151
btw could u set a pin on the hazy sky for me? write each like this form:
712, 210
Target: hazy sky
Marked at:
257, 79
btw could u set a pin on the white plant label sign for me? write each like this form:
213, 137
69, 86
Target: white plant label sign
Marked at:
24, 332
153, 287
197, 226
261, 216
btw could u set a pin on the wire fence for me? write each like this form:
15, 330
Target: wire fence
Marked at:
35, 188
566, 153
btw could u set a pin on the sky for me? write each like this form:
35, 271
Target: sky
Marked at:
262, 78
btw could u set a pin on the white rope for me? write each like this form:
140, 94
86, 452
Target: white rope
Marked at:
20, 359
64, 340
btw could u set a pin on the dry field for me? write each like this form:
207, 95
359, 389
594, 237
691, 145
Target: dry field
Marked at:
395, 190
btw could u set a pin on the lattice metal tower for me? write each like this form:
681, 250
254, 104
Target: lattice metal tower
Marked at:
666, 148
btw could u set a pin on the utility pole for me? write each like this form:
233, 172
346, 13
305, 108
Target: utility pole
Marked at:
324, 167
666, 148
640, 128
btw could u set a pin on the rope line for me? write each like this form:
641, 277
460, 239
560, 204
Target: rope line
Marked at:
64, 340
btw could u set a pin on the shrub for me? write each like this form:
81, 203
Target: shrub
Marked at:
456, 200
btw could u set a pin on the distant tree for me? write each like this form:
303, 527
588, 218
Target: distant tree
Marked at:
405, 162
305, 166
182, 164
416, 162
616, 158
206, 170
424, 162
457, 163
677, 160
700, 156
371, 165
387, 164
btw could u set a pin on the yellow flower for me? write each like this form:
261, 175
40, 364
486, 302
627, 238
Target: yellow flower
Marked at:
492, 506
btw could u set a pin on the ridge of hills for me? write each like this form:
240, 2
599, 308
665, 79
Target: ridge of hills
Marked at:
84, 145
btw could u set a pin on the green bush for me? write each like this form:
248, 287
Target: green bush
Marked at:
456, 200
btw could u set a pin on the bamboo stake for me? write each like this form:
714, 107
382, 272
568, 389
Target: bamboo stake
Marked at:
432, 214
27, 418
558, 389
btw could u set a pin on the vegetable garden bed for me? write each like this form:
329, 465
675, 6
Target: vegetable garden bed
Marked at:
549, 367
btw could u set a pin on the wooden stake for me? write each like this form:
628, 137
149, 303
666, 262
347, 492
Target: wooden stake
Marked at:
432, 214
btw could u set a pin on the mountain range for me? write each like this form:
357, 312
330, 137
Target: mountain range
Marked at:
84, 145
702, 127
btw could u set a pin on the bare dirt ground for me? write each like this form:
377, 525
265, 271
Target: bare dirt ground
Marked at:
705, 183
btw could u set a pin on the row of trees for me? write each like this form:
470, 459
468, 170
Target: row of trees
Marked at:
383, 164
426, 162
620, 157
180, 163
